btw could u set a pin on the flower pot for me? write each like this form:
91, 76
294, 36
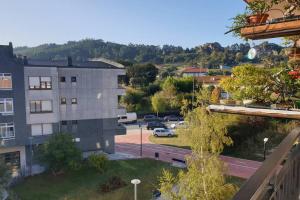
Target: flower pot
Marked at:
257, 19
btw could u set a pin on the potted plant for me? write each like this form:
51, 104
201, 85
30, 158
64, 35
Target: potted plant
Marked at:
258, 11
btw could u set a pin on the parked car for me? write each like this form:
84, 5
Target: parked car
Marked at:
162, 132
177, 125
171, 118
150, 118
128, 118
153, 125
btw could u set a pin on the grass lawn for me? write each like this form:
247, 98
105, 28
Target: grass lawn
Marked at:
84, 184
176, 141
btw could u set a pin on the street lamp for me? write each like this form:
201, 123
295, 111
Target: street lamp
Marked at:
135, 182
265, 142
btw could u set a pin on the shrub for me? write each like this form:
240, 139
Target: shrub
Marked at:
98, 162
113, 183
60, 153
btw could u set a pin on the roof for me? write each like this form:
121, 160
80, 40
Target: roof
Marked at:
195, 70
64, 64
210, 79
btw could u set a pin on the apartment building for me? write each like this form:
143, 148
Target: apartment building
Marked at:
41, 98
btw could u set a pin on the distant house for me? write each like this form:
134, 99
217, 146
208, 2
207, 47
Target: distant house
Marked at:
194, 72
210, 80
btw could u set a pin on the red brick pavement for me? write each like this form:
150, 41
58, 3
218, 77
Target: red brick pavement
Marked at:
130, 144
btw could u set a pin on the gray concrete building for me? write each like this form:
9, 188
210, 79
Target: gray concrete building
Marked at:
41, 98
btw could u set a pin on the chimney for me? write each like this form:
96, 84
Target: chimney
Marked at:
70, 61
25, 61
11, 50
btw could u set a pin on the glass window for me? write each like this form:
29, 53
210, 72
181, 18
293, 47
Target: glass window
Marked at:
73, 79
74, 126
63, 100
46, 106
41, 129
36, 129
62, 79
6, 105
7, 130
74, 100
47, 129
63, 122
38, 82
5, 81
40, 106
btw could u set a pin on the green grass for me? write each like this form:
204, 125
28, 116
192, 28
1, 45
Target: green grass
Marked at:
179, 140
84, 184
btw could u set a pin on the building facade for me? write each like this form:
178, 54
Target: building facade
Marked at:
41, 98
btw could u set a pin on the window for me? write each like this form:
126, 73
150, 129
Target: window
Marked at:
5, 81
40, 83
63, 100
6, 106
74, 126
64, 126
73, 79
40, 106
41, 129
62, 79
7, 130
74, 100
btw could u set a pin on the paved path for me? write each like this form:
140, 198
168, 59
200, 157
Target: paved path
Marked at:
130, 144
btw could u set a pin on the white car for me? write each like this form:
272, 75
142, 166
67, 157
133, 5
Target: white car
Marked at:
158, 132
181, 123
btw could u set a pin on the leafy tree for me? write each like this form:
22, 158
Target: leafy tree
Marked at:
4, 178
215, 95
59, 153
159, 103
204, 178
141, 74
132, 99
248, 82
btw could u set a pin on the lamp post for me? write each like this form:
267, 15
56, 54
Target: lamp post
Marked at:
141, 150
265, 142
31, 154
135, 182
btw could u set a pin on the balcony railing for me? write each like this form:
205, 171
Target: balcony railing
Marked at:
279, 176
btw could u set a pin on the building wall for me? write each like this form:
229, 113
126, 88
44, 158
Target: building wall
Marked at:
96, 91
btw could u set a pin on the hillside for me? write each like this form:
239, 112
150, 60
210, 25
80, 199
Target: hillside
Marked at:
209, 55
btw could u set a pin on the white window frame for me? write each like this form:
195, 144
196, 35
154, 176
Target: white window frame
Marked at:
2, 75
42, 84
42, 129
41, 106
5, 100
7, 126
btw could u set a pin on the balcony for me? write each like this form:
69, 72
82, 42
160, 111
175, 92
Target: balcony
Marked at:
279, 176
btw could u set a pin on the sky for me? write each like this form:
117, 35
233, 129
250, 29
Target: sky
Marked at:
187, 23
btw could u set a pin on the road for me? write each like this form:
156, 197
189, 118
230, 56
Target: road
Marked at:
130, 144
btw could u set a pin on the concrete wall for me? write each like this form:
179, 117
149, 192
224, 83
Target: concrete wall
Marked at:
52, 95
96, 91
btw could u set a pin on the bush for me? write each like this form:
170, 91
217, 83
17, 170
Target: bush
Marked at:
98, 162
113, 183
60, 153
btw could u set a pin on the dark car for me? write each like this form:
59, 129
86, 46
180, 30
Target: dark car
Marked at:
153, 125
150, 118
171, 118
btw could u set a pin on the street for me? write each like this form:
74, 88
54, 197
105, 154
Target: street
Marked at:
130, 144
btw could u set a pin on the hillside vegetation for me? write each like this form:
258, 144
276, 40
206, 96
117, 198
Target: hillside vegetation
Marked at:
209, 55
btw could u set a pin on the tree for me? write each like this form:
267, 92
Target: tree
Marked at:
4, 178
248, 82
141, 74
204, 178
159, 103
215, 95
60, 153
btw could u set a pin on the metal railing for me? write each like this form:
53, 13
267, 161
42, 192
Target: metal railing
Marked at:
279, 176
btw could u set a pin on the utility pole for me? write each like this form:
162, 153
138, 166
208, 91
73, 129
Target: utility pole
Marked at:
141, 129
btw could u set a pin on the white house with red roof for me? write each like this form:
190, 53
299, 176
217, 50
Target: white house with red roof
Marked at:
194, 72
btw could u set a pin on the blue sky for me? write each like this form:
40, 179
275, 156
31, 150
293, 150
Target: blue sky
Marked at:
178, 22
